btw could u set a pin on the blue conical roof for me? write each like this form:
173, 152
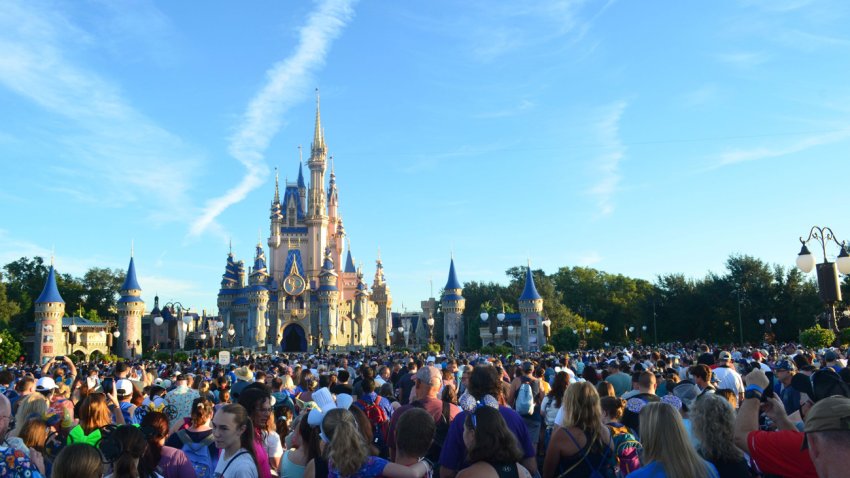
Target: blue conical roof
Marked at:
301, 176
50, 292
453, 283
130, 282
349, 263
530, 291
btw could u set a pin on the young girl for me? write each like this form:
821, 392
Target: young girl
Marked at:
492, 449
234, 435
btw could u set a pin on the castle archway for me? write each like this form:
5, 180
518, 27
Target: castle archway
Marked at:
294, 339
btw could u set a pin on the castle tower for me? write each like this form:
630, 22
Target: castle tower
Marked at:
302, 188
230, 288
317, 214
258, 300
328, 301
531, 308
360, 312
131, 307
276, 217
382, 298
336, 231
453, 305
49, 310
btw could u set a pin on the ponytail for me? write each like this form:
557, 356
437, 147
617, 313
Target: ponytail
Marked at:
346, 448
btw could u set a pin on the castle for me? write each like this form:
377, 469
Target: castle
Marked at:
304, 296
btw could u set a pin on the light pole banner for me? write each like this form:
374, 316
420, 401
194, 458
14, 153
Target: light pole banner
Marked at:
224, 357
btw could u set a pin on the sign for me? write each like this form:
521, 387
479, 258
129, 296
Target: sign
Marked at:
224, 357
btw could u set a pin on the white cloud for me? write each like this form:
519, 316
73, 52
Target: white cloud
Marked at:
12, 249
606, 165
764, 152
286, 83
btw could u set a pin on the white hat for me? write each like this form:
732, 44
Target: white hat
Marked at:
45, 384
124, 388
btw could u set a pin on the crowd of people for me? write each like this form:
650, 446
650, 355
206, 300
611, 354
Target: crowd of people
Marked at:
677, 410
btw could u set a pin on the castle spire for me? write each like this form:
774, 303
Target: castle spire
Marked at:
530, 291
130, 282
452, 283
318, 133
301, 183
50, 293
276, 186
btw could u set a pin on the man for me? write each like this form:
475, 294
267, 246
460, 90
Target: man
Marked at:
484, 386
342, 385
784, 372
124, 393
830, 358
620, 378
181, 399
828, 435
383, 376
244, 377
427, 385
405, 383
525, 374
727, 376
14, 462
774, 453
646, 385
58, 405
701, 376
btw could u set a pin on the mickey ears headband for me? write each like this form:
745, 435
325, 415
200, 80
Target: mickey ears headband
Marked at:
324, 401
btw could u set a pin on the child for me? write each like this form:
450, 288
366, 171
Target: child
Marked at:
414, 435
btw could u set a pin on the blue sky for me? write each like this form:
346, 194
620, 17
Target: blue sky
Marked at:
640, 138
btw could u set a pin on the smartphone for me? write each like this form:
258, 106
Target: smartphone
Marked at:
768, 391
59, 358
107, 384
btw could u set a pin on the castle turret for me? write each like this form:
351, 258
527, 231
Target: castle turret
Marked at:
328, 300
258, 299
382, 298
317, 213
131, 307
530, 309
453, 305
230, 288
360, 311
49, 310
302, 188
276, 217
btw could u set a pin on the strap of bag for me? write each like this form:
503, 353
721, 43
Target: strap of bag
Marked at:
232, 460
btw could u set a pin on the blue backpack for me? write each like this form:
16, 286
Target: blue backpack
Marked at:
198, 454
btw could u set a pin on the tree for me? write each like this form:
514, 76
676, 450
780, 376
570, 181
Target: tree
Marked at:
10, 349
8, 308
817, 337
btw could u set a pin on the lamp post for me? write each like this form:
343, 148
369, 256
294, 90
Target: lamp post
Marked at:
768, 328
829, 288
430, 323
739, 291
72, 335
547, 328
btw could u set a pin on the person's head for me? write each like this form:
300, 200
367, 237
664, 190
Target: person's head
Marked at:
232, 428
79, 459
785, 371
464, 376
646, 382
485, 380
155, 427
729, 395
488, 438
559, 386
665, 440
46, 386
713, 420
612, 408
827, 429
414, 432
32, 404
605, 389
34, 433
121, 370
256, 399
307, 437
701, 375
344, 443
132, 444
202, 411
427, 382
581, 407
94, 412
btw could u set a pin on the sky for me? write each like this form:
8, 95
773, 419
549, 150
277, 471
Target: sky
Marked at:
642, 138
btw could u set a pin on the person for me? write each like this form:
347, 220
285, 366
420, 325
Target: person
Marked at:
552, 403
713, 422
581, 445
181, 399
702, 375
828, 435
34, 436
77, 460
170, 462
124, 389
525, 374
234, 435
244, 377
256, 398
405, 383
667, 451
342, 385
348, 453
14, 460
727, 376
414, 435
305, 442
484, 387
197, 440
124, 448
619, 377
32, 404
784, 370
95, 417
379, 412
492, 449
58, 404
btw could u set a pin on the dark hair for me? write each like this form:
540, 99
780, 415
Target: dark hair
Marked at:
559, 386
700, 371
241, 418
605, 389
251, 398
155, 427
415, 432
368, 385
343, 375
78, 459
310, 436
485, 380
494, 441
365, 427
613, 407
133, 445
202, 410
590, 375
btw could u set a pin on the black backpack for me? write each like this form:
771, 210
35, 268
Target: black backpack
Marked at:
442, 430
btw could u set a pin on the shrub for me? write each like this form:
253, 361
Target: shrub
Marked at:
433, 348
181, 356
547, 348
817, 337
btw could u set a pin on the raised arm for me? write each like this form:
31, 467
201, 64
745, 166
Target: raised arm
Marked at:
747, 420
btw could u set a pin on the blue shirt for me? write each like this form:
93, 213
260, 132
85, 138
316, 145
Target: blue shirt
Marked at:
655, 470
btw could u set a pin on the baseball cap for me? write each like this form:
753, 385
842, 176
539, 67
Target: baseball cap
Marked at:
829, 414
527, 367
429, 374
123, 388
45, 384
725, 356
823, 383
786, 365
830, 356
757, 355
687, 392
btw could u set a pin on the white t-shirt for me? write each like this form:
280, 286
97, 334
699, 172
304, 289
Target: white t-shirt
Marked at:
729, 379
242, 466
272, 444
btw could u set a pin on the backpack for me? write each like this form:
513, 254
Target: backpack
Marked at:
627, 448
198, 454
524, 404
380, 423
440, 434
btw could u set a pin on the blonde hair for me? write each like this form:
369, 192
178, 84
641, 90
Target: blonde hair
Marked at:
347, 448
32, 404
665, 440
581, 408
713, 422
34, 433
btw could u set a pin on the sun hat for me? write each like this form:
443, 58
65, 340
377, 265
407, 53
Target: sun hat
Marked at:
828, 415
244, 374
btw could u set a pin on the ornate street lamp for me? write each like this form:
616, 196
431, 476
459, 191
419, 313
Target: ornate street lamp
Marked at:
829, 288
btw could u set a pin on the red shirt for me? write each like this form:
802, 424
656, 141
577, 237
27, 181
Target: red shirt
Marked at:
778, 453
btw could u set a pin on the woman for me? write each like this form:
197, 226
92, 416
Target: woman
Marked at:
605, 389
77, 460
124, 448
256, 398
713, 420
168, 461
234, 435
347, 452
552, 403
667, 451
492, 449
589, 374
581, 445
95, 415
34, 436
197, 436
34, 404
305, 448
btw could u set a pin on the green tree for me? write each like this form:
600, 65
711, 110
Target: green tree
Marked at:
10, 348
8, 308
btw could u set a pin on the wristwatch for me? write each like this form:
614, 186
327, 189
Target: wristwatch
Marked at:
752, 394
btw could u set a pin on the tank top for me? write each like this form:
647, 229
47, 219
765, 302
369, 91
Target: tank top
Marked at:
506, 470
589, 457
288, 469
